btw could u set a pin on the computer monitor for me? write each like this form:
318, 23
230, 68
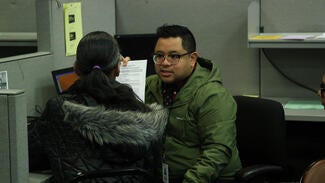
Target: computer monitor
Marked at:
138, 47
64, 78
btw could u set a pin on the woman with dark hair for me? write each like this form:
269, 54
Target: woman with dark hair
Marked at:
99, 123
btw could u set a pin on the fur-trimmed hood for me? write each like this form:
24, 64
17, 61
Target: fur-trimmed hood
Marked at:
108, 126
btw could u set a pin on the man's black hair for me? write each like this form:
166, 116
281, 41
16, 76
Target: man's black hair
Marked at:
188, 40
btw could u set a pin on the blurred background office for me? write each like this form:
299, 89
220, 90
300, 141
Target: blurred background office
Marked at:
32, 45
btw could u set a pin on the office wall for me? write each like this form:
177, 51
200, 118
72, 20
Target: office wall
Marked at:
220, 27
303, 65
17, 16
34, 74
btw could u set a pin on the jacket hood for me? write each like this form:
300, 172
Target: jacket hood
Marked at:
109, 126
213, 70
206, 72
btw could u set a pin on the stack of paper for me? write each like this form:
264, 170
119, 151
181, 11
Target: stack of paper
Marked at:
297, 37
322, 36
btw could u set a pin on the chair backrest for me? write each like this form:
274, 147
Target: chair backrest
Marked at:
315, 173
261, 133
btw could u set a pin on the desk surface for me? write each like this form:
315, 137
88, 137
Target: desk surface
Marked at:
316, 115
301, 109
39, 177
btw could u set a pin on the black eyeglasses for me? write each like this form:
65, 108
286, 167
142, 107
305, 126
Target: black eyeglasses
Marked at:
172, 59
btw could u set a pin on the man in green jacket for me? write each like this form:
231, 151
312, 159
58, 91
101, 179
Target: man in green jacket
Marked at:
200, 137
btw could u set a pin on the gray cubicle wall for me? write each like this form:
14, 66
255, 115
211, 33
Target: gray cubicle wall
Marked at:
220, 27
18, 21
17, 16
303, 65
33, 74
13, 135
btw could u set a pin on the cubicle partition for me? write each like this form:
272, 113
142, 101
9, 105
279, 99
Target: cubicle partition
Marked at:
13, 137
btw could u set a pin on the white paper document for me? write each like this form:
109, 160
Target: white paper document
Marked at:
297, 37
322, 36
134, 74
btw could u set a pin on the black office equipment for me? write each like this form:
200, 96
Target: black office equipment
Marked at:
261, 139
63, 78
138, 47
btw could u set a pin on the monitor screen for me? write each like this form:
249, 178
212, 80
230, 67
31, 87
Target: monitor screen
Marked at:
64, 78
138, 47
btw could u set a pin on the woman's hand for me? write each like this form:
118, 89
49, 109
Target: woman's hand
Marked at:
125, 60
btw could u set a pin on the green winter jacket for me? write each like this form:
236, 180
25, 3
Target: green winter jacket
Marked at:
200, 141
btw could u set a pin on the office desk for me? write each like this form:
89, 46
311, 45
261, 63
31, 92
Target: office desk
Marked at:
301, 109
315, 115
39, 177
304, 110
305, 143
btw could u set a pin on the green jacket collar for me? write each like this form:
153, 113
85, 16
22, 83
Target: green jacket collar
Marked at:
205, 72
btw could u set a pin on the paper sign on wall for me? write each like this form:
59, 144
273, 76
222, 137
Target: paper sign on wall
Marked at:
3, 80
72, 27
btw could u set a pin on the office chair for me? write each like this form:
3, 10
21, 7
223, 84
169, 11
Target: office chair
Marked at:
315, 173
261, 138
